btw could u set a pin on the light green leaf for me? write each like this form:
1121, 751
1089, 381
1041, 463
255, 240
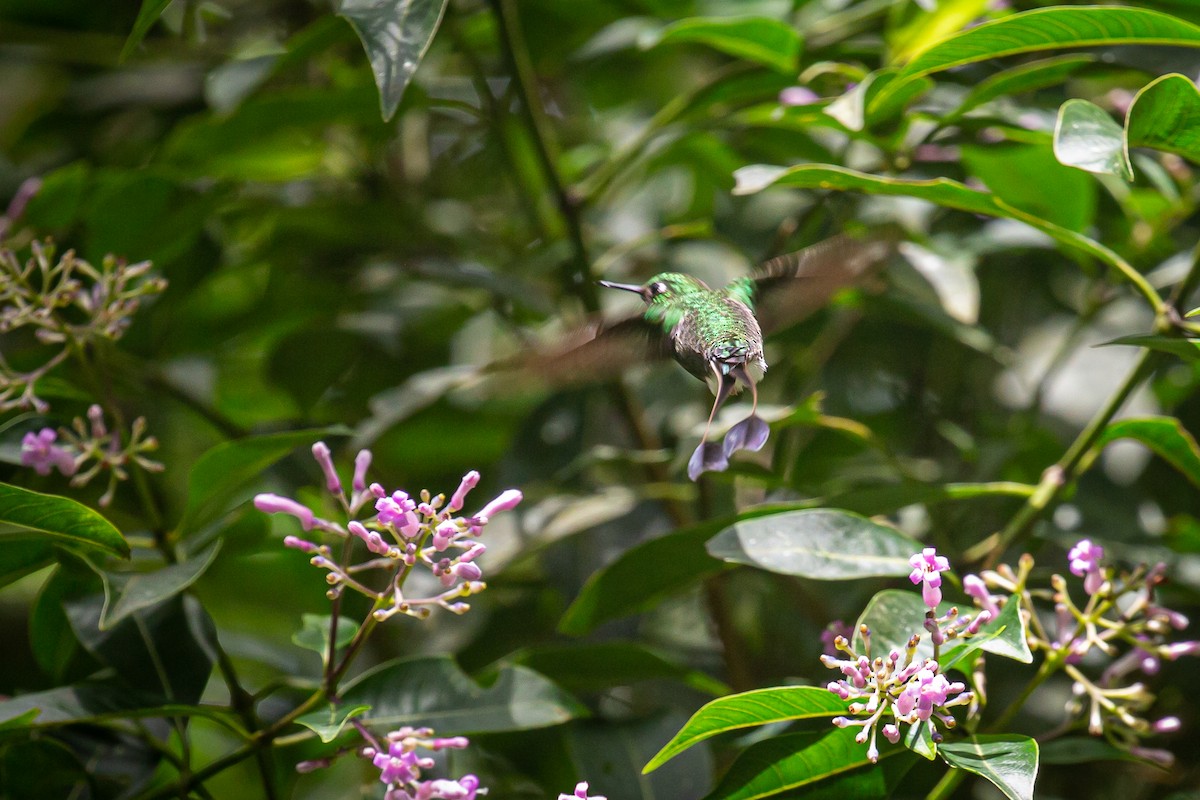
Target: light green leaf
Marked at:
819, 543
1166, 436
1004, 636
1188, 349
328, 722
135, 591
20, 558
148, 14
1165, 115
758, 707
762, 40
46, 517
1029, 177
893, 616
927, 28
1049, 29
314, 633
1007, 760
1023, 78
395, 34
434, 692
919, 739
1086, 137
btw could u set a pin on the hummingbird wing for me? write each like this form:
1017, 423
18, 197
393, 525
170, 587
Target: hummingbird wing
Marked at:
597, 351
790, 287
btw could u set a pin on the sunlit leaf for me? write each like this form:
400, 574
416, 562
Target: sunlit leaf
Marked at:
1165, 115
760, 39
434, 692
1049, 29
1004, 636
1166, 436
927, 28
329, 722
1087, 137
395, 34
46, 517
819, 543
747, 709
148, 14
1023, 78
1009, 761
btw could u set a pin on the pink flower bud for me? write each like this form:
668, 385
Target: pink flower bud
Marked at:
469, 482
321, 453
508, 499
362, 463
274, 504
302, 545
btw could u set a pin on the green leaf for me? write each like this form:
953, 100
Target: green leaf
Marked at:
233, 468
1086, 137
942, 191
1004, 636
758, 707
94, 701
1188, 349
46, 517
1165, 115
598, 666
1166, 436
1083, 749
919, 739
926, 29
1023, 78
642, 576
893, 616
328, 722
148, 14
819, 543
434, 692
1007, 760
18, 559
1029, 177
1048, 29
135, 591
799, 760
314, 633
395, 34
762, 40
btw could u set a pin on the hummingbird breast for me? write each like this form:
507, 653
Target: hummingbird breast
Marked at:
718, 330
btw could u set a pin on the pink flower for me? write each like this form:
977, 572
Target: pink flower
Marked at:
320, 452
274, 504
508, 499
39, 451
469, 482
927, 567
797, 96
1085, 562
581, 793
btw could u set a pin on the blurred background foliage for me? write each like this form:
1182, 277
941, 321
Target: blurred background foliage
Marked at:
328, 268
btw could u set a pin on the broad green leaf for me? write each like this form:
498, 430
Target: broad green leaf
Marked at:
434, 692
851, 109
1009, 761
148, 14
1165, 115
135, 591
642, 576
328, 722
762, 40
927, 28
50, 518
314, 633
893, 616
395, 34
1049, 29
95, 701
1185, 348
598, 666
1023, 78
20, 558
1086, 137
233, 468
1004, 636
1029, 177
819, 543
804, 761
919, 739
942, 191
1166, 436
758, 707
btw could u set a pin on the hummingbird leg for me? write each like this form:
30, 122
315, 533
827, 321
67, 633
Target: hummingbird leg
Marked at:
710, 456
752, 432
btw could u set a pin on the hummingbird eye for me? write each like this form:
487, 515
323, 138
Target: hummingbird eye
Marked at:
657, 288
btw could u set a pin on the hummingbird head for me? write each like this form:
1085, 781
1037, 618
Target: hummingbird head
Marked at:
663, 289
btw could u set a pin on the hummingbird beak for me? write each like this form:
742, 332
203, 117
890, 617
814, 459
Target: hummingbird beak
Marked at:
629, 287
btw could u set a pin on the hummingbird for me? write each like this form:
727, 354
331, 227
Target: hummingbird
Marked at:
717, 334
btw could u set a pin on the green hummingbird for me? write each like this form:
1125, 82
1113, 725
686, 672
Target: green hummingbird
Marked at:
717, 334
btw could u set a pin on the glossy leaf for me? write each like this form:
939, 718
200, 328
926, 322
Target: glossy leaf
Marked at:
1009, 761
395, 34
1165, 115
1023, 78
819, 543
1004, 636
747, 709
1044, 29
927, 28
434, 692
762, 40
19, 558
231, 469
802, 761
148, 14
329, 722
1188, 349
135, 591
1166, 436
46, 517
1087, 137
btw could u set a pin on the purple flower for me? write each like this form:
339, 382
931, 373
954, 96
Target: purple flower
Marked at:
469, 482
508, 499
797, 96
320, 452
832, 631
362, 462
397, 510
274, 504
1085, 562
581, 793
39, 451
927, 567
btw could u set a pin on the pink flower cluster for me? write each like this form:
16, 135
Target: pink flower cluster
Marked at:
39, 451
580, 793
405, 532
401, 766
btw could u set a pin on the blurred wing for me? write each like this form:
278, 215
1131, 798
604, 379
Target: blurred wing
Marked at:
595, 352
793, 286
